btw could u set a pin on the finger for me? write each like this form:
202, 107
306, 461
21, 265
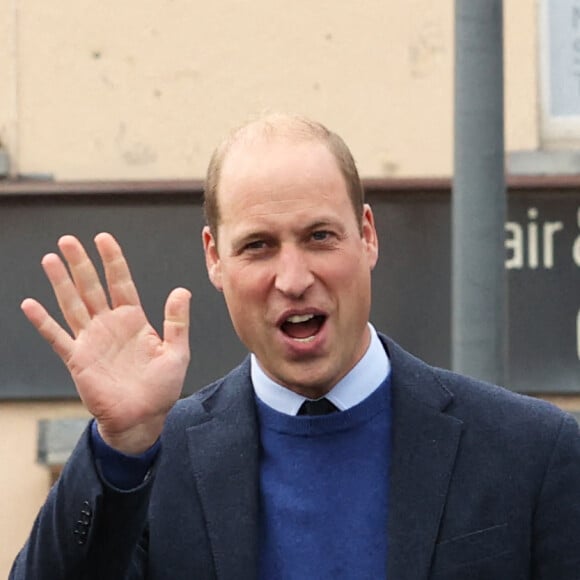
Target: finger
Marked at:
84, 275
176, 323
71, 305
48, 328
122, 289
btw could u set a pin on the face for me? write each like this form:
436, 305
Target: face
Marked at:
292, 262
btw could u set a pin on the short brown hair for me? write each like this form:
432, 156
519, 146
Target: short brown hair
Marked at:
279, 124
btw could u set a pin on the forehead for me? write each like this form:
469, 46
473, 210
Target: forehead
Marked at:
278, 168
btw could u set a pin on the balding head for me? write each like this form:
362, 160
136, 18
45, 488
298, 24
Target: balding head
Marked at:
280, 126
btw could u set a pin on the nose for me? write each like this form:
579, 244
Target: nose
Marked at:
294, 275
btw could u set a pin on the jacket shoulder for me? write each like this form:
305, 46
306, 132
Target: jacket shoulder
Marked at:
472, 400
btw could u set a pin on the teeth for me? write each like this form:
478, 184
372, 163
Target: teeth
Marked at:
309, 339
296, 318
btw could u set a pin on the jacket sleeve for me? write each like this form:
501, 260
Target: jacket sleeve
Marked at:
556, 541
87, 530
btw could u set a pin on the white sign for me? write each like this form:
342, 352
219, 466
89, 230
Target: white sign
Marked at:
560, 68
564, 54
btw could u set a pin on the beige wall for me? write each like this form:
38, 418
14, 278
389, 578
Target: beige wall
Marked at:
144, 89
521, 75
8, 83
23, 483
101, 90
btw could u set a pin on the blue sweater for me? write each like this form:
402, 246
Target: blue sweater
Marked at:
324, 489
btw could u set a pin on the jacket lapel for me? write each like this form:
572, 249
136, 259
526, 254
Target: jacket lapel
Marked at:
424, 446
224, 451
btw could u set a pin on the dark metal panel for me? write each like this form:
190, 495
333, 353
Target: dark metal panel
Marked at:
412, 283
161, 239
160, 231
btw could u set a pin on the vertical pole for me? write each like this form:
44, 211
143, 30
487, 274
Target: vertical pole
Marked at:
479, 285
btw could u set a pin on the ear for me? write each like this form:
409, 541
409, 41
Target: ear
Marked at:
369, 236
212, 259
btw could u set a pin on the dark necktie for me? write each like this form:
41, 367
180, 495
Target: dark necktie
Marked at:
318, 407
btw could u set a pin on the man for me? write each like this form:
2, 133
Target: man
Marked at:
412, 473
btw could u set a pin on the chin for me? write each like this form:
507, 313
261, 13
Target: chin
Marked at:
307, 384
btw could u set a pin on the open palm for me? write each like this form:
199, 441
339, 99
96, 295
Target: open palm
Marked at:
126, 374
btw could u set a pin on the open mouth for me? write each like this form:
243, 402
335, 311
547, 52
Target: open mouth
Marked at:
303, 327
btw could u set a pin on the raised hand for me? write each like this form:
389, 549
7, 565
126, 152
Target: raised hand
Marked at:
126, 374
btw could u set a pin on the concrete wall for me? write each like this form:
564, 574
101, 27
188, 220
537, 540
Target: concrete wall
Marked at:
23, 482
144, 90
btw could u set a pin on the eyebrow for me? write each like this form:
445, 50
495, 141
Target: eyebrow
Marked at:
323, 223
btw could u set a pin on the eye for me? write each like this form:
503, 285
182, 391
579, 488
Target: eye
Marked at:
255, 245
321, 235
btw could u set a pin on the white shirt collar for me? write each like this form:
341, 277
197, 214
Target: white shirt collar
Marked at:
372, 369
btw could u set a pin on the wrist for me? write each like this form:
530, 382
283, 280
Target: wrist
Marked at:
133, 441
120, 470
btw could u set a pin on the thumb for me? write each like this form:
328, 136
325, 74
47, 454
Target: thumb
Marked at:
176, 322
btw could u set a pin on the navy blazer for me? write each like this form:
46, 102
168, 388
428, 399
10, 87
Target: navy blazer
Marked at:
484, 484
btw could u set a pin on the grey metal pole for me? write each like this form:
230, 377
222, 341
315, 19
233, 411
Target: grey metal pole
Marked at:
479, 285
